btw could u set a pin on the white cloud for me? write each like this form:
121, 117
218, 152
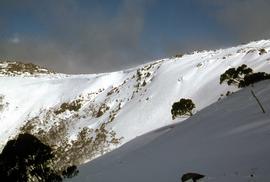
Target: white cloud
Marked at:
15, 39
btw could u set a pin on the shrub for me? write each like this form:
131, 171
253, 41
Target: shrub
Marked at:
103, 108
27, 159
182, 108
253, 78
178, 55
242, 76
18, 68
262, 51
71, 106
70, 172
235, 76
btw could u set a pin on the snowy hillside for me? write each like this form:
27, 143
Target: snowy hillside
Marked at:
85, 116
227, 141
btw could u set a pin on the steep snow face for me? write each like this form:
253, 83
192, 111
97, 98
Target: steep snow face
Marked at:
84, 116
227, 141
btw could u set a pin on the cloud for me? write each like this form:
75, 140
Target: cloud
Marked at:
77, 40
74, 36
246, 19
15, 39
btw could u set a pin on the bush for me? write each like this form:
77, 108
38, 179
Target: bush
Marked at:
235, 76
27, 159
178, 55
254, 78
71, 106
262, 51
242, 76
70, 172
182, 108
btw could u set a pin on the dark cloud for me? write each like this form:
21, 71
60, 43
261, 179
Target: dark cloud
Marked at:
246, 19
74, 36
78, 40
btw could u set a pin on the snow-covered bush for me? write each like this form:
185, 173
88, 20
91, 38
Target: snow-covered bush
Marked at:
71, 106
102, 109
19, 68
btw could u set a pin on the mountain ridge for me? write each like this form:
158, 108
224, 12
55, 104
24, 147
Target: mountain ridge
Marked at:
85, 116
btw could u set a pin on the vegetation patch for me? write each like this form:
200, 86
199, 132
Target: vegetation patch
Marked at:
54, 132
178, 55
88, 144
262, 51
183, 107
19, 68
102, 109
199, 65
242, 76
144, 75
113, 90
228, 93
3, 105
113, 113
26, 158
69, 106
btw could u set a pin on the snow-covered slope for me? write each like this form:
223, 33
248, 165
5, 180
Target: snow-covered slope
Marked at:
227, 141
84, 116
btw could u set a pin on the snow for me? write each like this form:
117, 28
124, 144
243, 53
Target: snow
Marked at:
226, 141
145, 99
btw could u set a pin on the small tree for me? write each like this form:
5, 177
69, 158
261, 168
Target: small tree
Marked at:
27, 159
182, 108
262, 51
234, 76
243, 76
70, 172
254, 78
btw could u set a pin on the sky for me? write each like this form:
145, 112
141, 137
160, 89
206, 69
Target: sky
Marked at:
93, 36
